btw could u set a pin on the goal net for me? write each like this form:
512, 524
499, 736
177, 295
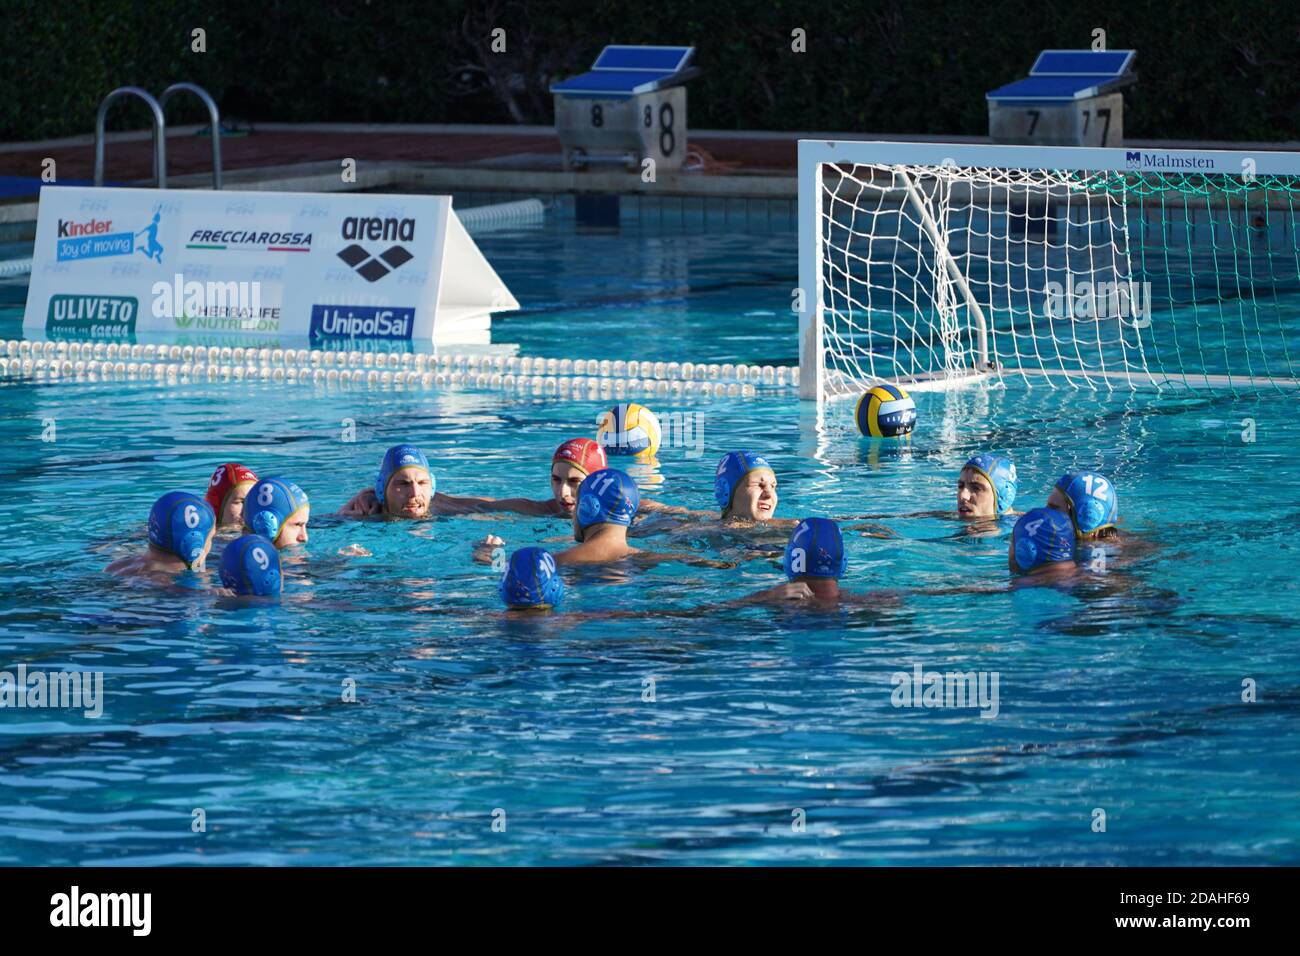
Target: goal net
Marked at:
931, 265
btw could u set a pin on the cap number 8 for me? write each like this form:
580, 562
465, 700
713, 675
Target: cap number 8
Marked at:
264, 496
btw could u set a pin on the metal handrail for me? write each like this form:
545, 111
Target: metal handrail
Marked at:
214, 116
159, 134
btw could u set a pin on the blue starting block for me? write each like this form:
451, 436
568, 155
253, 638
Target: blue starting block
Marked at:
1070, 98
631, 106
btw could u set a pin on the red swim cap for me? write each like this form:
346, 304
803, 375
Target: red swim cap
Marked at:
583, 453
223, 482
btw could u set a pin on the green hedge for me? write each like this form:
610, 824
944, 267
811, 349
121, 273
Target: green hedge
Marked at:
1211, 70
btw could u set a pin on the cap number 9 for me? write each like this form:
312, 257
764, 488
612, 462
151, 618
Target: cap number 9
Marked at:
260, 558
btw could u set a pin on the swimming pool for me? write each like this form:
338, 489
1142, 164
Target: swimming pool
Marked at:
1124, 694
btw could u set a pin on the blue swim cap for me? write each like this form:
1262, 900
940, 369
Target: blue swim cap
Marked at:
179, 523
608, 496
402, 456
251, 565
1092, 500
1042, 535
816, 549
1001, 474
270, 503
531, 580
732, 469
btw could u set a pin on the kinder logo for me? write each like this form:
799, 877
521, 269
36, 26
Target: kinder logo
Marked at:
361, 322
98, 316
94, 239
375, 229
69, 229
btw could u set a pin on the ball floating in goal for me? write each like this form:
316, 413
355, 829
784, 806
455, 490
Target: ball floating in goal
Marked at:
629, 429
886, 411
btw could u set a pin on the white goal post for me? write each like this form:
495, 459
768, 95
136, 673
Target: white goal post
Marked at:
932, 265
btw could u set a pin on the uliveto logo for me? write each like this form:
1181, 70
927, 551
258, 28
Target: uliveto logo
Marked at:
376, 229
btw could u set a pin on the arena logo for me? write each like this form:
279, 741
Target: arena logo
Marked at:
370, 267
96, 316
94, 239
1136, 159
957, 689
221, 240
1088, 301
80, 690
361, 322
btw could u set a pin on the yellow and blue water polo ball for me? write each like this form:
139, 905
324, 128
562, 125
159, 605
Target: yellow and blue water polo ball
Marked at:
886, 411
629, 429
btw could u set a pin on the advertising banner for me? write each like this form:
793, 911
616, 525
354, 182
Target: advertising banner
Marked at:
330, 268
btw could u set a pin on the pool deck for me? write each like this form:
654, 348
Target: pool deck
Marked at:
527, 159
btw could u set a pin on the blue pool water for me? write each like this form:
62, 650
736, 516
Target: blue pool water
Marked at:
1123, 693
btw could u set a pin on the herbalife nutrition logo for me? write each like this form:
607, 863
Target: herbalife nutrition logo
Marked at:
214, 306
76, 690
370, 267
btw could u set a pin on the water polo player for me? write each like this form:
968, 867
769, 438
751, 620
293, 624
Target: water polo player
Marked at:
607, 502
250, 567
1042, 542
573, 461
744, 487
531, 581
181, 526
1090, 501
986, 487
227, 490
278, 509
814, 562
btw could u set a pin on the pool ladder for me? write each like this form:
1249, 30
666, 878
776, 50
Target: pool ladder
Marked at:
156, 107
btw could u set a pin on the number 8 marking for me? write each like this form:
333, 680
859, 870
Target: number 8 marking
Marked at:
264, 496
